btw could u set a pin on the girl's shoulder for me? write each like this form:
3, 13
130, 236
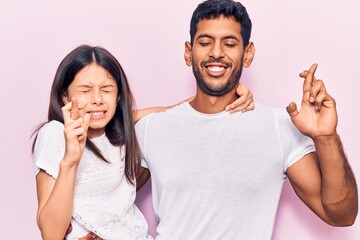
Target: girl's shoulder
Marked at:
49, 148
51, 132
52, 125
50, 128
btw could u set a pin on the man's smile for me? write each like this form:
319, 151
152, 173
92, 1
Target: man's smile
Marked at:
216, 69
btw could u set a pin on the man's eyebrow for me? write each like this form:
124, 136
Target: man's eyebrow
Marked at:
224, 38
204, 36
232, 37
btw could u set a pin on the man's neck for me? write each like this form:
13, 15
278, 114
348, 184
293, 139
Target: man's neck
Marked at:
212, 104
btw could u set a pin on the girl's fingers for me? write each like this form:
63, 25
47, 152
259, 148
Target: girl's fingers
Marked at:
243, 107
85, 126
86, 120
66, 112
248, 106
242, 89
77, 129
76, 110
251, 106
241, 103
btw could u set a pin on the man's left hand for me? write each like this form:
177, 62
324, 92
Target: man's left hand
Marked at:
317, 116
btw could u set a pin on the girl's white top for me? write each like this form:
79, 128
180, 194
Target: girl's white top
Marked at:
103, 199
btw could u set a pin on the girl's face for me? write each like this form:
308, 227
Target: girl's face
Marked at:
97, 93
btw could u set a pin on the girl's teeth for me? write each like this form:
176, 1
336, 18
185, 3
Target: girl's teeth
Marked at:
96, 113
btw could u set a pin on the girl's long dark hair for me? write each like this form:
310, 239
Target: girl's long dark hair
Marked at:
120, 130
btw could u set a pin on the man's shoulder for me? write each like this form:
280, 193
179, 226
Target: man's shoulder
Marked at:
160, 119
265, 113
261, 108
168, 113
267, 107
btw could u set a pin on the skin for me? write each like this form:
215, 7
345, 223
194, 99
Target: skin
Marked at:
224, 45
323, 180
93, 95
89, 104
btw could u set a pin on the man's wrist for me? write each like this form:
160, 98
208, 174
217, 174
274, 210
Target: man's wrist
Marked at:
327, 139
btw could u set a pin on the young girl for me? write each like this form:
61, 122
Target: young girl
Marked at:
87, 156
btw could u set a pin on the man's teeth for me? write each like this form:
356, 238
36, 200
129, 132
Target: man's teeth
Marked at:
216, 69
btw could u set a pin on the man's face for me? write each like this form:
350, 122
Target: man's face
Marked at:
217, 55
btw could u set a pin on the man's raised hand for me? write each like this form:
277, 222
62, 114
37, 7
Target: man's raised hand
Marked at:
317, 116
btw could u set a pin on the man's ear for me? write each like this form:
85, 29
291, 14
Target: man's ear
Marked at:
249, 54
187, 54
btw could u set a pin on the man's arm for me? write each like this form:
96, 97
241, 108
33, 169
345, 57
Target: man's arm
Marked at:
323, 180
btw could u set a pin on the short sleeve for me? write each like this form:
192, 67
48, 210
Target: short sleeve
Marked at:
294, 144
49, 148
140, 128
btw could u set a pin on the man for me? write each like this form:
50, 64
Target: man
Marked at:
220, 176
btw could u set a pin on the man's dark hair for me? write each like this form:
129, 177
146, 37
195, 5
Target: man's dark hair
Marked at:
212, 9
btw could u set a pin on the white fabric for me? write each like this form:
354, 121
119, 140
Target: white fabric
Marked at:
77, 232
103, 199
218, 176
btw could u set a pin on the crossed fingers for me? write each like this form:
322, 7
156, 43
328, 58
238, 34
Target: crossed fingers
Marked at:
75, 118
314, 91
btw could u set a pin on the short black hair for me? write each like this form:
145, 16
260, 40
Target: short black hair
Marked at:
211, 9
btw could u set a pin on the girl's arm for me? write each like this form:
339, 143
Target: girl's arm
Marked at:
244, 103
55, 201
55, 196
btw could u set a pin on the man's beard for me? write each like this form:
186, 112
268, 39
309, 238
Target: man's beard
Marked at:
221, 89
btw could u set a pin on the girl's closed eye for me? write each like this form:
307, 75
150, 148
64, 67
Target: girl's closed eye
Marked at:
107, 89
84, 89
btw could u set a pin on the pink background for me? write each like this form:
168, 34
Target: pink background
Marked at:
148, 39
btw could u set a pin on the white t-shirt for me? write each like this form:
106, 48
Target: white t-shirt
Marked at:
103, 199
218, 176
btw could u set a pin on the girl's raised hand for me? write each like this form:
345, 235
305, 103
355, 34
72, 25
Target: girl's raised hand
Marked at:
76, 124
244, 103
